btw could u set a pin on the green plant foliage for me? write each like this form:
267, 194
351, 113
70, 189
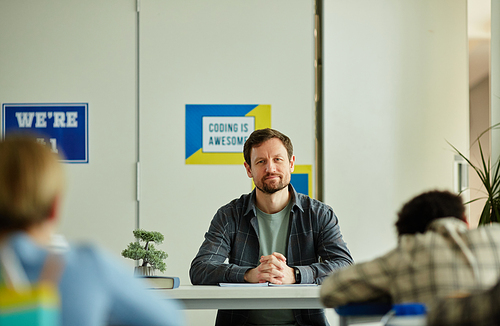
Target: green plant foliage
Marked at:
149, 236
490, 178
134, 251
147, 252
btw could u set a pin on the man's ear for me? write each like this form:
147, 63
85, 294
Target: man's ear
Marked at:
292, 163
249, 170
54, 209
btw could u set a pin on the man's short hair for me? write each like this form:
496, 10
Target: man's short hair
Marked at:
30, 179
416, 215
259, 136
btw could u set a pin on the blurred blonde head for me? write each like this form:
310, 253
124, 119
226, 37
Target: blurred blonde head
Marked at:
31, 180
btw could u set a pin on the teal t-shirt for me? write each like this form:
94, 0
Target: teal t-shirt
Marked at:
273, 236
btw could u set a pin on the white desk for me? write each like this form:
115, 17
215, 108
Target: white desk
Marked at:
269, 297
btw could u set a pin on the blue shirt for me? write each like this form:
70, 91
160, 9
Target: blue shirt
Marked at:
315, 247
96, 289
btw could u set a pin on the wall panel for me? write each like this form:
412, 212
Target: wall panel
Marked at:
73, 51
396, 89
215, 52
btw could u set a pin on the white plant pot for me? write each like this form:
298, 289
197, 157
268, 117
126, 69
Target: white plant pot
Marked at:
144, 271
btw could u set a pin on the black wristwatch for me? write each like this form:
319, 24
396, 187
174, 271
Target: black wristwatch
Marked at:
298, 278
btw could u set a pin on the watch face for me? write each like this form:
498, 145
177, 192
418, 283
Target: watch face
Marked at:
297, 275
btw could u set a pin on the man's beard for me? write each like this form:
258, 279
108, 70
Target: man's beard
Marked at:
267, 189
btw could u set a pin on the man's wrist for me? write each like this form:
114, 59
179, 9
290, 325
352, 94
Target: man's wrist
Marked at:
246, 275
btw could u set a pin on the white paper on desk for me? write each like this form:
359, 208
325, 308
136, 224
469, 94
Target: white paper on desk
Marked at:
243, 284
271, 284
260, 284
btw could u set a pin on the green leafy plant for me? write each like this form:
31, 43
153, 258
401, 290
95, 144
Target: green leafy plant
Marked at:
147, 252
490, 178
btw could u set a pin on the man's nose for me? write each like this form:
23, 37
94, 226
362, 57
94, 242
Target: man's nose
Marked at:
271, 167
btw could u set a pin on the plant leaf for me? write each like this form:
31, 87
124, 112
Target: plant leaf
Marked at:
485, 214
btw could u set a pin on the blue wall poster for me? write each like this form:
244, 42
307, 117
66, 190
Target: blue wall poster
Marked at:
215, 133
62, 126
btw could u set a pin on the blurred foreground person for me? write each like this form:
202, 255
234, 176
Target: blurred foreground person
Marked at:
94, 288
436, 256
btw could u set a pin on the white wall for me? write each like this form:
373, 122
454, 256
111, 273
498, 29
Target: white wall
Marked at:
396, 89
57, 51
224, 52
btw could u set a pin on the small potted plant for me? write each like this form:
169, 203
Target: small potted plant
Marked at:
152, 258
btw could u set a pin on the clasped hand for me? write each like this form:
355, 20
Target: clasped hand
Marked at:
272, 269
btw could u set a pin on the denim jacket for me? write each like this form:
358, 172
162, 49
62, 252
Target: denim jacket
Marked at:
315, 247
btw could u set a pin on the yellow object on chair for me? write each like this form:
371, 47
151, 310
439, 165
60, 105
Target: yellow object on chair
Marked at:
25, 303
35, 305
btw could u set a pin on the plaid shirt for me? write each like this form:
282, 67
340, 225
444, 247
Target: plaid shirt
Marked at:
233, 234
445, 259
478, 309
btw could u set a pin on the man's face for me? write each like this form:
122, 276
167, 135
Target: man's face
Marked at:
271, 169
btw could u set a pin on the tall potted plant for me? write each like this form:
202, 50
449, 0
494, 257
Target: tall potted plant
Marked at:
489, 173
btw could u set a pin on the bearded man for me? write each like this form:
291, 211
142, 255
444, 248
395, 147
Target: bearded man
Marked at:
272, 234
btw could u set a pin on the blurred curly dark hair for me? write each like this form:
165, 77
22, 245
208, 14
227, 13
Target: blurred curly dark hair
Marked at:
419, 212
